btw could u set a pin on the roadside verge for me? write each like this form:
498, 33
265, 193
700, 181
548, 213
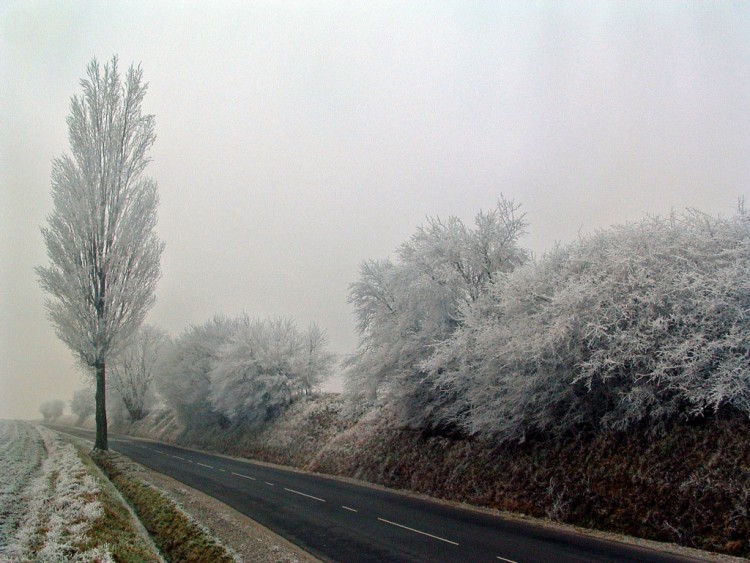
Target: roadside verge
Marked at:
184, 523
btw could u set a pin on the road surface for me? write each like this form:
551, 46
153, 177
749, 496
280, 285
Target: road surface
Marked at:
337, 520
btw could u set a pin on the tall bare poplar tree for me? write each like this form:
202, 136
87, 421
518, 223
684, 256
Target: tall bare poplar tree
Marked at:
103, 251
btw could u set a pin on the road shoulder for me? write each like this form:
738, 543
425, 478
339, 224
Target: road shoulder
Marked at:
247, 539
243, 535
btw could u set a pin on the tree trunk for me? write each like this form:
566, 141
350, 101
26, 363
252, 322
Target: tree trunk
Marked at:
101, 408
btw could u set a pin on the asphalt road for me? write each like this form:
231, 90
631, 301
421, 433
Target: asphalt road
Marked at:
341, 521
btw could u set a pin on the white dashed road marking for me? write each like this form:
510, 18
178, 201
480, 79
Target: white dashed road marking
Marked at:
245, 476
347, 508
504, 559
303, 494
204, 465
417, 531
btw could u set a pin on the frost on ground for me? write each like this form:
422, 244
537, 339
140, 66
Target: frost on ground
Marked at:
21, 455
49, 516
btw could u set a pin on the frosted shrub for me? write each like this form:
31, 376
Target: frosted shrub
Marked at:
644, 321
52, 410
182, 377
407, 306
266, 365
82, 405
227, 370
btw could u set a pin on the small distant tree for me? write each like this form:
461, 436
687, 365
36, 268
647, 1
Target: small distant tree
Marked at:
103, 251
52, 410
134, 369
82, 405
117, 412
317, 362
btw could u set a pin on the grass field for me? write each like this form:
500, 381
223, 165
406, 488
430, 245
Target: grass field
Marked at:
54, 506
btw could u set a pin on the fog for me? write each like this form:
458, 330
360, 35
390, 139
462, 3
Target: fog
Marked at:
296, 140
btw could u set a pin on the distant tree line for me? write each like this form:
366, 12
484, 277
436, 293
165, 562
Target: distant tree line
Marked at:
224, 371
463, 331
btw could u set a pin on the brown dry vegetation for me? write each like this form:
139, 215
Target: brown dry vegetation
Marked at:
689, 485
116, 529
178, 537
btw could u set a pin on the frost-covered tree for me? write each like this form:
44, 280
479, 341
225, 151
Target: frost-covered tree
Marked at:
134, 369
82, 404
238, 369
640, 322
52, 410
407, 306
316, 363
266, 365
117, 411
103, 251
183, 374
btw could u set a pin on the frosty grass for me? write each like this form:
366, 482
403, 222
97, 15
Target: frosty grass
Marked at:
48, 499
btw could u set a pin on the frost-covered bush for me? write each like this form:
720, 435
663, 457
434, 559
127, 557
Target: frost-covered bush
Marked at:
82, 404
264, 366
117, 411
52, 410
407, 306
644, 321
183, 373
240, 369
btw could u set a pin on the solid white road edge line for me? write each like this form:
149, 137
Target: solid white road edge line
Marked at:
245, 476
417, 531
303, 494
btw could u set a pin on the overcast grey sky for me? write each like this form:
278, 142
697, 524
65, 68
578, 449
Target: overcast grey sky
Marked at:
296, 140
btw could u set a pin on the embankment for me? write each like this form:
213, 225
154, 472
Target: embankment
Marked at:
689, 485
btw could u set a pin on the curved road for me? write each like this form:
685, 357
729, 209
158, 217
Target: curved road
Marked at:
342, 521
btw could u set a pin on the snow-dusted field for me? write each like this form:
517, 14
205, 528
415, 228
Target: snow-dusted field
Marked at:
48, 499
21, 455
